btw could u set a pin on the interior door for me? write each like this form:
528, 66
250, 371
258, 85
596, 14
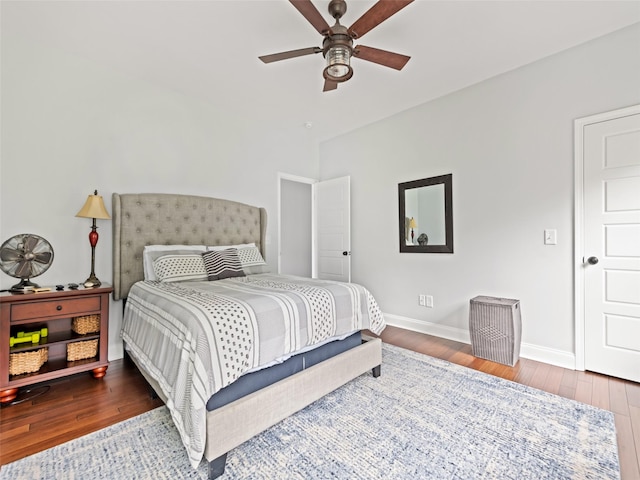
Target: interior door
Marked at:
611, 253
333, 232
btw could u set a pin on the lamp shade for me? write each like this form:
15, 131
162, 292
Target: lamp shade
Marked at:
412, 223
94, 208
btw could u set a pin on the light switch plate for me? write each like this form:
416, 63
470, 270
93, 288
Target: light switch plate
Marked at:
550, 236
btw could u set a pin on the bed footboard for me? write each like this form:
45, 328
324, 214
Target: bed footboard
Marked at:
237, 422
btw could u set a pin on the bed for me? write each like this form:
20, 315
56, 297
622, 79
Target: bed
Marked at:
253, 384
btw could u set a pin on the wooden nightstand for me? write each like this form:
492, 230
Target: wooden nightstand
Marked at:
54, 311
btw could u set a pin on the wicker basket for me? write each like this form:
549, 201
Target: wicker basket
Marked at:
27, 362
82, 350
86, 324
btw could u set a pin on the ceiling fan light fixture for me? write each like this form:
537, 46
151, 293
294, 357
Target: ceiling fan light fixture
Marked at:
337, 46
338, 67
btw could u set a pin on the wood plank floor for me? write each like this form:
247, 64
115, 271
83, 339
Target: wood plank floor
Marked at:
80, 404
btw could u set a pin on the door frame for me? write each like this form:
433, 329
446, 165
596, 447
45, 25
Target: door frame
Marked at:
308, 181
579, 271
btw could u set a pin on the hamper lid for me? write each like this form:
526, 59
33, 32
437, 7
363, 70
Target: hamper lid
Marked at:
495, 300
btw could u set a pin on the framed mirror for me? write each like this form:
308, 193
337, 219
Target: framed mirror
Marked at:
426, 215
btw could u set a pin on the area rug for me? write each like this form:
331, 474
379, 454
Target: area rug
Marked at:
424, 418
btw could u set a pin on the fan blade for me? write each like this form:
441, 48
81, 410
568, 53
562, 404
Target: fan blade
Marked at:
329, 85
29, 243
23, 270
381, 57
376, 15
10, 255
311, 13
276, 57
42, 257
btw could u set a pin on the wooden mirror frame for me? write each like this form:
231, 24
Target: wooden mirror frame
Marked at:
447, 181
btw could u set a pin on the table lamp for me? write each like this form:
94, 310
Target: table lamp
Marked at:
93, 208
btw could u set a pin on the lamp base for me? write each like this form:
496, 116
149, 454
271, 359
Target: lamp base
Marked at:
92, 281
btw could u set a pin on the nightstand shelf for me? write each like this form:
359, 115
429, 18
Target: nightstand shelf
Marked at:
54, 339
54, 310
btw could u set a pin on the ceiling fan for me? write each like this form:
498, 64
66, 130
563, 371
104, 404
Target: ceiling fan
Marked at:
337, 46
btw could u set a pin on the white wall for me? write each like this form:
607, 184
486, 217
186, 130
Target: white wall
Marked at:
508, 143
70, 126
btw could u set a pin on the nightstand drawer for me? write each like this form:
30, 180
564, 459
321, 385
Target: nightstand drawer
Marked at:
53, 308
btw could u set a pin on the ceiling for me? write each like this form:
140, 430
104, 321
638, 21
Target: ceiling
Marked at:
209, 49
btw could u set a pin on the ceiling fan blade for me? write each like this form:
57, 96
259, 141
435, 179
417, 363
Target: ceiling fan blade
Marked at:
376, 15
329, 85
275, 57
42, 257
10, 255
313, 16
381, 57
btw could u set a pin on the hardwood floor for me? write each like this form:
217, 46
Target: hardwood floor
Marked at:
72, 407
80, 404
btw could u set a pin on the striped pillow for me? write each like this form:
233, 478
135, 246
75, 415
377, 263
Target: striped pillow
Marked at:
250, 257
222, 264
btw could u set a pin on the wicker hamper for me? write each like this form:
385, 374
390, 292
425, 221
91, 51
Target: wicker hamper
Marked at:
495, 326
86, 324
82, 350
27, 362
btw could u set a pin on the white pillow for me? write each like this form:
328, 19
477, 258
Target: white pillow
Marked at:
250, 256
151, 252
219, 248
180, 268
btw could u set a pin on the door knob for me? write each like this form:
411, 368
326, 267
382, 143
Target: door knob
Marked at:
592, 260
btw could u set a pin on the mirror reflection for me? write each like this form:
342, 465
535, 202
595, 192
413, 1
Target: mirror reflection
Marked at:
426, 219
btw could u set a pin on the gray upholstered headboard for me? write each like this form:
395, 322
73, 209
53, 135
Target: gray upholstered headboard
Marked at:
168, 219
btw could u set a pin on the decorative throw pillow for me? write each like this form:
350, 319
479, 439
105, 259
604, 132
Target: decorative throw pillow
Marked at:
179, 268
250, 258
151, 252
222, 264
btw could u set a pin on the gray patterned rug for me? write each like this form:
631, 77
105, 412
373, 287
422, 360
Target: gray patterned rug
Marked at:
422, 419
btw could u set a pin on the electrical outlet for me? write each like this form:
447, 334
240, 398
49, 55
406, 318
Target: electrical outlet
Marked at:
422, 300
429, 301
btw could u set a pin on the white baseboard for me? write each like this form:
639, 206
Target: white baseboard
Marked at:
443, 331
552, 356
538, 353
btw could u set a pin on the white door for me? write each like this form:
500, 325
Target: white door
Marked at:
332, 207
610, 257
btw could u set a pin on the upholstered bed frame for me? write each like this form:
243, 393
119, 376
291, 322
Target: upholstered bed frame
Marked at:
171, 219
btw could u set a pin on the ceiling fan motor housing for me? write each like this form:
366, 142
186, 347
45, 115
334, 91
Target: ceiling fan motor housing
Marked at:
337, 8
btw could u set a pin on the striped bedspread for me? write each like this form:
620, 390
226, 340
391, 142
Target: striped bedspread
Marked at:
195, 338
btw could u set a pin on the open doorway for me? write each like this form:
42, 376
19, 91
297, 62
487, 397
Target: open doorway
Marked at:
295, 222
314, 237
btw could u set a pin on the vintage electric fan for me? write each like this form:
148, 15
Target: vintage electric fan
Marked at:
25, 256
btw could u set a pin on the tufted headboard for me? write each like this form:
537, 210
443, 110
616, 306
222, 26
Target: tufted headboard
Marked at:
172, 219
